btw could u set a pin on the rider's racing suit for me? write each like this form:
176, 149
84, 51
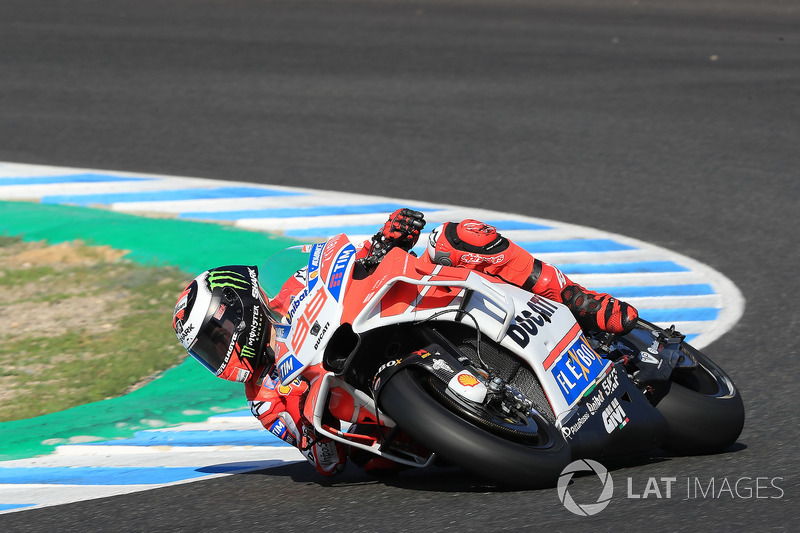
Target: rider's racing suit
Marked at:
469, 244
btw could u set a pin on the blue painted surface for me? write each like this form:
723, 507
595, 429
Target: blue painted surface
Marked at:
685, 314
509, 225
70, 178
370, 229
250, 437
634, 267
573, 245
699, 289
7, 506
330, 231
106, 475
243, 413
291, 212
166, 196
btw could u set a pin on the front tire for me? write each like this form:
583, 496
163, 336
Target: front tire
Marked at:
410, 399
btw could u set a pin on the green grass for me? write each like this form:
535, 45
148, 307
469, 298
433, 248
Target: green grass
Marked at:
83, 332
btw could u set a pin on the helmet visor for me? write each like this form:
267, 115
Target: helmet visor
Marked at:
225, 321
215, 345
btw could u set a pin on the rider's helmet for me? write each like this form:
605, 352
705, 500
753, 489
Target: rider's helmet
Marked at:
223, 321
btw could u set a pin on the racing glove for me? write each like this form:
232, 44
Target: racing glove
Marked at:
402, 229
327, 456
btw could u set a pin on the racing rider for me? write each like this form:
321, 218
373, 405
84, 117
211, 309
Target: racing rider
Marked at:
225, 321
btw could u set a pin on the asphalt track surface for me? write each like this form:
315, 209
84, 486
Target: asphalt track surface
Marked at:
672, 122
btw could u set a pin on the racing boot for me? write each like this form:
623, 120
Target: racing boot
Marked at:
594, 311
599, 311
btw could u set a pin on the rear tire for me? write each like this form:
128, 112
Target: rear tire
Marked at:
410, 401
702, 421
702, 406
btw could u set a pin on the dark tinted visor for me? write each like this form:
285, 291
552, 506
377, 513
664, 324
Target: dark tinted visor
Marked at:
214, 345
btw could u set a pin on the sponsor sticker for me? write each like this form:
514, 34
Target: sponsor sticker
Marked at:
577, 369
339, 266
614, 416
314, 263
467, 379
278, 428
527, 323
288, 365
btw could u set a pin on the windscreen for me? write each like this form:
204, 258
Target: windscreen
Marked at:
281, 266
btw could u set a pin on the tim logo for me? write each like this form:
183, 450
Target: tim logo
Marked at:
337, 274
288, 366
614, 416
278, 428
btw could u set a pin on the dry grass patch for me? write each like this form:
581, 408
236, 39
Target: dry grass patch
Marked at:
80, 324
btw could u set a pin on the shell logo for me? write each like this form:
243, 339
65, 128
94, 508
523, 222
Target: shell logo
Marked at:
468, 380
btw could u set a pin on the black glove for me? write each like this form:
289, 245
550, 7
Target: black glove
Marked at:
402, 229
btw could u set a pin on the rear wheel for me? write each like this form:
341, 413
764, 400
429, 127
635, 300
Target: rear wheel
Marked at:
702, 406
510, 448
704, 409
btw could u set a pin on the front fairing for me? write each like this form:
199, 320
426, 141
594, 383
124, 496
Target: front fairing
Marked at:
315, 311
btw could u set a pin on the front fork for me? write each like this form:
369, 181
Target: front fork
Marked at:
329, 394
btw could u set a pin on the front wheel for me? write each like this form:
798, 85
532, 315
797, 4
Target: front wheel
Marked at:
511, 450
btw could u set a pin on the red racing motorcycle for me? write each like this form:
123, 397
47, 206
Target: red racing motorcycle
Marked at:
423, 362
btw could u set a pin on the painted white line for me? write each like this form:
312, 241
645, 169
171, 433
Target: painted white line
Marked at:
129, 456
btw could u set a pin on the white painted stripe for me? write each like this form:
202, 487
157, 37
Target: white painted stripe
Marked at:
124, 456
377, 219
216, 424
238, 204
10, 192
644, 278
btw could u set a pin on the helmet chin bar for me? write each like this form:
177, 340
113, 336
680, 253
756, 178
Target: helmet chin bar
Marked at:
238, 369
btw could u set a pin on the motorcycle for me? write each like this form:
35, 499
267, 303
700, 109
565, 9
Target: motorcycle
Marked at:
430, 362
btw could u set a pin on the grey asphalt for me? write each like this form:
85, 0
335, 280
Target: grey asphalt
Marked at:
675, 122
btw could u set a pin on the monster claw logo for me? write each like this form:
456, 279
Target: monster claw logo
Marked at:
248, 352
226, 278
